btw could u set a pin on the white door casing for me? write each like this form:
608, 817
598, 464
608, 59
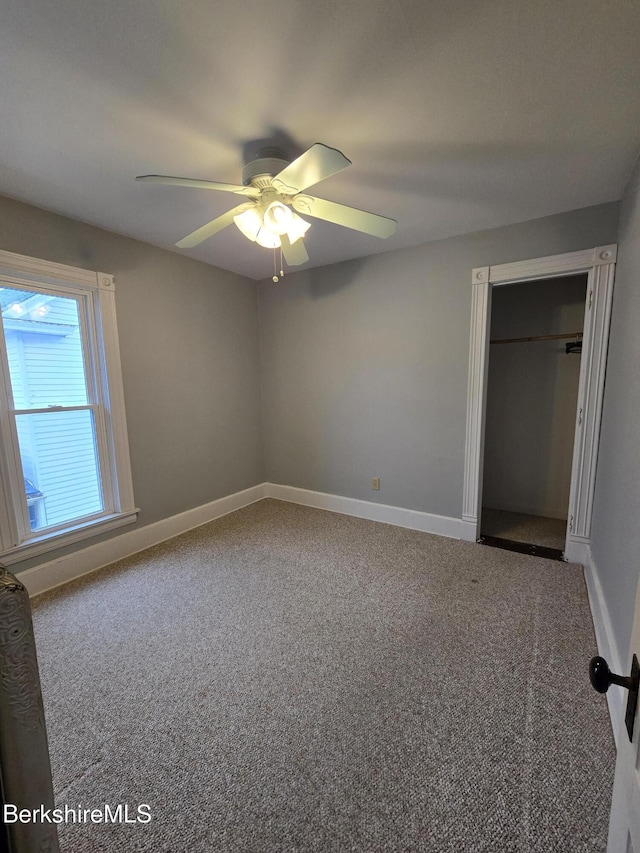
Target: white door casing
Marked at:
599, 265
624, 823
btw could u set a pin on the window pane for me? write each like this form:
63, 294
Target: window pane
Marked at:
59, 461
44, 349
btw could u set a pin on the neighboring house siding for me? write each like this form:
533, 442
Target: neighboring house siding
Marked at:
14, 355
65, 469
55, 374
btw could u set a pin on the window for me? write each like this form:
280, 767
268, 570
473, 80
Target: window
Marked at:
64, 455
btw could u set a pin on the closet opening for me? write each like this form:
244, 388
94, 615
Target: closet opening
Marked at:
535, 330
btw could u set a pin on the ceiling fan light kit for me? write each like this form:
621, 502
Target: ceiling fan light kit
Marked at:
266, 223
274, 189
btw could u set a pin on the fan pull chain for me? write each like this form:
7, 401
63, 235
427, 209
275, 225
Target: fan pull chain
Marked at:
277, 277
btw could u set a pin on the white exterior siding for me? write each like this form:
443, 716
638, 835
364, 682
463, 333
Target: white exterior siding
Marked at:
14, 355
66, 466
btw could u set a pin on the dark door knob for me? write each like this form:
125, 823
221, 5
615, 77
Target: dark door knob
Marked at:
601, 678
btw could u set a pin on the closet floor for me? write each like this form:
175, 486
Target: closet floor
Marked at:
517, 527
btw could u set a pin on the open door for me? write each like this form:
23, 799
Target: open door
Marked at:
624, 826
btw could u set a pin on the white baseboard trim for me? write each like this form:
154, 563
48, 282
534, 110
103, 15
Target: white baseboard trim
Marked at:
63, 569
441, 525
607, 646
469, 529
577, 551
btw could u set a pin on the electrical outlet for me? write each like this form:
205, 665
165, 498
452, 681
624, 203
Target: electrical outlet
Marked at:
375, 483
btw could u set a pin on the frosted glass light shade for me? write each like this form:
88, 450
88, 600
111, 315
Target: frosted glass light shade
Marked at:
278, 217
249, 222
267, 239
298, 228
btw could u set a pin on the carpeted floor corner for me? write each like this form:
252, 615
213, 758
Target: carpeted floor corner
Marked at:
288, 679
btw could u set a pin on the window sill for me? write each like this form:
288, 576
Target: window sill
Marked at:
53, 541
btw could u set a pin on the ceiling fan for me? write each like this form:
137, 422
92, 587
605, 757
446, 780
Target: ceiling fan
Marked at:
274, 189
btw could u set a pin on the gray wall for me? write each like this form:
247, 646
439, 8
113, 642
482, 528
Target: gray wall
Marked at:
364, 363
532, 397
615, 534
189, 347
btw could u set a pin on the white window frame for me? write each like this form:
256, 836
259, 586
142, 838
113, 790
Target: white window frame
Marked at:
95, 293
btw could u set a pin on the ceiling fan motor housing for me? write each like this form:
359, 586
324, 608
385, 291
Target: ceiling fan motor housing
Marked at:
259, 172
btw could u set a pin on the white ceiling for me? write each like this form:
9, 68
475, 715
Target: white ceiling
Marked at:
457, 116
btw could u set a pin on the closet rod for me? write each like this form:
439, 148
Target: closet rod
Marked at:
576, 335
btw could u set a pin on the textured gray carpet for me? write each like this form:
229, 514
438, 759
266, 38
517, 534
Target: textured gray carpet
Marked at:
532, 529
287, 679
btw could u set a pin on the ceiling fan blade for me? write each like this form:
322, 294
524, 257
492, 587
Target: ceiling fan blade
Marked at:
341, 214
212, 227
316, 164
294, 253
203, 185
